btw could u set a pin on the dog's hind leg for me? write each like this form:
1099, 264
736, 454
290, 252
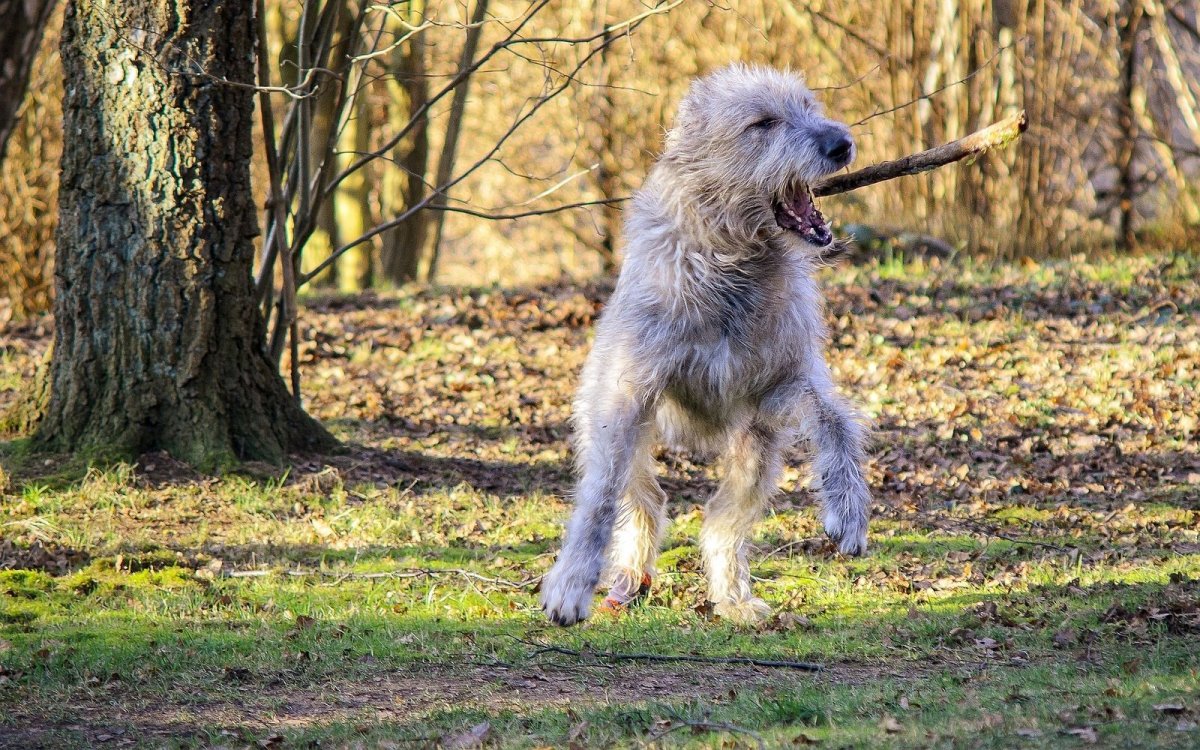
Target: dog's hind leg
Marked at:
752, 464
641, 519
610, 435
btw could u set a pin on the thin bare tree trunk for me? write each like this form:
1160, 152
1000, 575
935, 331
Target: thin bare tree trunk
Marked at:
1129, 130
351, 202
604, 150
325, 119
403, 246
453, 128
23, 22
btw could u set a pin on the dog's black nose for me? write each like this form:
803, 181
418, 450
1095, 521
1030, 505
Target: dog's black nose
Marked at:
836, 146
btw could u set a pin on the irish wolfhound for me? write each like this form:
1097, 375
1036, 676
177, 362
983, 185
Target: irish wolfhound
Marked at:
714, 338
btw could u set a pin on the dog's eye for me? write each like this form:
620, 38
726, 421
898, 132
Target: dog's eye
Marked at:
765, 123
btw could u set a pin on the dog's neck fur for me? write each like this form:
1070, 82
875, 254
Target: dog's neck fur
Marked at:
729, 227
711, 250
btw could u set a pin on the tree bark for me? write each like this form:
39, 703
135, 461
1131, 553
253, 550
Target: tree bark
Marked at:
158, 341
408, 88
23, 22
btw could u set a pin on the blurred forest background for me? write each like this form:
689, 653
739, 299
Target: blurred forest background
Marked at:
405, 134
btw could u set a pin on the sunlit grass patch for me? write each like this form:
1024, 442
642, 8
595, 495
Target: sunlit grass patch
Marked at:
1034, 568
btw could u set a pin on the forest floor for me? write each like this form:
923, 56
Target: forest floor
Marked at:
1034, 577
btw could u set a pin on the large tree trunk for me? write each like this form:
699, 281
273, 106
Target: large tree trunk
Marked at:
23, 22
158, 342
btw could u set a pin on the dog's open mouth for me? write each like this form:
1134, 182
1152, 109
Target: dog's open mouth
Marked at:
796, 211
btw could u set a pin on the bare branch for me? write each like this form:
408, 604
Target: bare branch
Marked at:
939, 90
793, 15
707, 726
484, 214
994, 136
423, 110
538, 103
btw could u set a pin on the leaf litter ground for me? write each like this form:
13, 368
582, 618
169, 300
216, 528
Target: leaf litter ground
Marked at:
1033, 581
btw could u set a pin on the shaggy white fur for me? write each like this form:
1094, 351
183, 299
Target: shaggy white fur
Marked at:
714, 338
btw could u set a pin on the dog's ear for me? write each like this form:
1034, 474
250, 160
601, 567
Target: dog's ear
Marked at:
689, 117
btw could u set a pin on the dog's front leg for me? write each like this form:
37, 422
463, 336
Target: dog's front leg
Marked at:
838, 439
751, 473
608, 438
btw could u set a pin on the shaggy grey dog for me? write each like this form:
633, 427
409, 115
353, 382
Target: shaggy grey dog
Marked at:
714, 339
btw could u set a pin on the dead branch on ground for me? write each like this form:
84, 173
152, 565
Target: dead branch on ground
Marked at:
707, 726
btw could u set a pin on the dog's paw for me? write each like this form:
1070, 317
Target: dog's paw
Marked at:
628, 589
566, 599
849, 532
744, 612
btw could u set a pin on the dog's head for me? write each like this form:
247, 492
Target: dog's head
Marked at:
751, 142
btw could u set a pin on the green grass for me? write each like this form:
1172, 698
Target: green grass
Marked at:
374, 614
1033, 581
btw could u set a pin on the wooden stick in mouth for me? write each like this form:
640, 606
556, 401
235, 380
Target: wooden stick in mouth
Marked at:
993, 136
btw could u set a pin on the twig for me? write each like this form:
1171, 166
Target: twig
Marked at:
803, 666
994, 136
707, 726
532, 212
935, 92
992, 533
395, 574
949, 524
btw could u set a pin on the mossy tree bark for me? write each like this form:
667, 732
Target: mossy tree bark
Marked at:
158, 342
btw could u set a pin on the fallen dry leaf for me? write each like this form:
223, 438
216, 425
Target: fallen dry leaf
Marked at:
577, 732
1085, 734
1170, 708
1065, 638
473, 737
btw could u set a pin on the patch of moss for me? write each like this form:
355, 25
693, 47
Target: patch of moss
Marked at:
26, 584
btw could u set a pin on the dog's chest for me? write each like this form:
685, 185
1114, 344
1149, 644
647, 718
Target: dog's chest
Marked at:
737, 310
738, 340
